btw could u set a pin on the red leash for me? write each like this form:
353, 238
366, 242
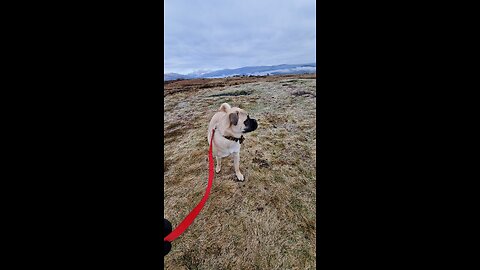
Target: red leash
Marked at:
191, 217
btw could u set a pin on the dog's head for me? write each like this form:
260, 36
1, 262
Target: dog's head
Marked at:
239, 119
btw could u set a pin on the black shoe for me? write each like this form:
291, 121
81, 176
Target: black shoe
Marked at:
167, 228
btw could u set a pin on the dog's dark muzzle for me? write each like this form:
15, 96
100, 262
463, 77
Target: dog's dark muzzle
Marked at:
250, 125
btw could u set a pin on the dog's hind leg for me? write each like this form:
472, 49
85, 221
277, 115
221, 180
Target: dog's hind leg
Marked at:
219, 164
236, 165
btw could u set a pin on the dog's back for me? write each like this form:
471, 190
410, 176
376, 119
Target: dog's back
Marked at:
215, 119
222, 111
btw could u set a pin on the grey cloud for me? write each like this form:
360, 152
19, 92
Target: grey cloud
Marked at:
213, 34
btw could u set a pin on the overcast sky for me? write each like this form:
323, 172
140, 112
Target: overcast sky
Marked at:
219, 34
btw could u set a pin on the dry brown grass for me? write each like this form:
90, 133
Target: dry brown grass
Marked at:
266, 222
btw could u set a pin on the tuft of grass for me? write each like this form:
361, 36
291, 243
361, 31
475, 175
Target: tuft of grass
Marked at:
234, 93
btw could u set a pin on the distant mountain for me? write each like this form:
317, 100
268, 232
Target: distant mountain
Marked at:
246, 71
174, 76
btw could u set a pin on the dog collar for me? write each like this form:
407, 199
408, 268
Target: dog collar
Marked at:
231, 138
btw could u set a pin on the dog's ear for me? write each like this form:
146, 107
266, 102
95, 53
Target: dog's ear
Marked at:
225, 107
233, 118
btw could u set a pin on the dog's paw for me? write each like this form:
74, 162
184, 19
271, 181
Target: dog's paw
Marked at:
240, 176
217, 169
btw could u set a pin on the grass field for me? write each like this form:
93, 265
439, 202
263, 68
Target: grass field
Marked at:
266, 222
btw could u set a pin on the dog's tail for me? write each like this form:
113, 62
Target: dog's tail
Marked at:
225, 107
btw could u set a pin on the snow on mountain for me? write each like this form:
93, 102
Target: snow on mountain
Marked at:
246, 71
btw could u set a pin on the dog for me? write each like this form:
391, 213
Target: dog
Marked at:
230, 124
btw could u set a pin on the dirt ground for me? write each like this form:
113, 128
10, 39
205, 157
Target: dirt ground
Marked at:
266, 222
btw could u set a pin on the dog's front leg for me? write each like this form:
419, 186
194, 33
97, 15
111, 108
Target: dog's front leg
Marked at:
219, 164
236, 164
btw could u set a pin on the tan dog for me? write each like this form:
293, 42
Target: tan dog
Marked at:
230, 123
